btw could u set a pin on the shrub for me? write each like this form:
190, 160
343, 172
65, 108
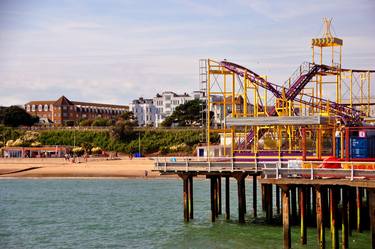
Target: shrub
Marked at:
101, 122
96, 150
86, 122
78, 151
36, 144
69, 123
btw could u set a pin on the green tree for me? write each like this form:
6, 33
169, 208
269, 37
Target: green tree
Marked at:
187, 114
86, 122
69, 123
129, 118
101, 122
15, 116
124, 127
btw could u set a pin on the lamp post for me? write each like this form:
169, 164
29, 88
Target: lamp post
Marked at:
74, 137
139, 144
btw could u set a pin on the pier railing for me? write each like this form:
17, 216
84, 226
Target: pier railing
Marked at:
219, 164
269, 169
323, 169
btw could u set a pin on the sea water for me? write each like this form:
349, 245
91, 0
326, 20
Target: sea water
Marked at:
119, 213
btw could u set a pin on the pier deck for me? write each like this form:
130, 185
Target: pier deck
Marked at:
314, 187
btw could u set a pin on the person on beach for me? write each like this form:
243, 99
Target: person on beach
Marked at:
85, 156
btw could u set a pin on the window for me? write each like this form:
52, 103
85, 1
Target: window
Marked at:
51, 107
46, 108
28, 108
65, 107
168, 97
40, 108
33, 108
167, 105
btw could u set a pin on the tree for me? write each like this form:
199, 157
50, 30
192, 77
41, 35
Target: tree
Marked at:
187, 114
85, 122
129, 118
101, 122
15, 116
123, 129
69, 123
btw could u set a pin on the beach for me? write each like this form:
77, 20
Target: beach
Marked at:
94, 167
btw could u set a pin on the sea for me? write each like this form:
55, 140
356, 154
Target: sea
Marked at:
131, 213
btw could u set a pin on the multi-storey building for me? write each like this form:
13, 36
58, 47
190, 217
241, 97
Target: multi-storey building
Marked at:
167, 102
62, 110
144, 110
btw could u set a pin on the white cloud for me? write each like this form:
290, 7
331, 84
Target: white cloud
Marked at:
118, 59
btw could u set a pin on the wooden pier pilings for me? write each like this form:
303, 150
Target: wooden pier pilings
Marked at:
339, 206
227, 198
188, 196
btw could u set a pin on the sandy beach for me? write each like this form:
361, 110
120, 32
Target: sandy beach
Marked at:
94, 167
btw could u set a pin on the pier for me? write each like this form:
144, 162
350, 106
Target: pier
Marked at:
341, 200
310, 141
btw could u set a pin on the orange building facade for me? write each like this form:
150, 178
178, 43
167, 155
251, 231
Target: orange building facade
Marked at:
63, 110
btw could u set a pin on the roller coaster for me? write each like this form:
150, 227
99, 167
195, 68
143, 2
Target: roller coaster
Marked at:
299, 119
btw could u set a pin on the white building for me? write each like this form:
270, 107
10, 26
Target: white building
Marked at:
144, 110
167, 102
155, 111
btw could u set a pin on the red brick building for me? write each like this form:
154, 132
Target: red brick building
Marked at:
62, 110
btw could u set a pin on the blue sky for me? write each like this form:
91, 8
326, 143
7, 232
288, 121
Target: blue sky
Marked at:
117, 50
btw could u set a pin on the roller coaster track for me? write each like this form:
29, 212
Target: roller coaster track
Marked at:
300, 79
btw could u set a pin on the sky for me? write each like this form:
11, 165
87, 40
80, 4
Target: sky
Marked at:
114, 51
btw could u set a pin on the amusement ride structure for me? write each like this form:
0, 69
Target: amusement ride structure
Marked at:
322, 110
313, 135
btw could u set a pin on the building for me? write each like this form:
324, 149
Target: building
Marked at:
167, 102
63, 110
155, 111
144, 110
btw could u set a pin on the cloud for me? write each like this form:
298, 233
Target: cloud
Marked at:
121, 50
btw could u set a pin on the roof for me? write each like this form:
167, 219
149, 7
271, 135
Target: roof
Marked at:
41, 102
141, 100
98, 104
173, 93
63, 101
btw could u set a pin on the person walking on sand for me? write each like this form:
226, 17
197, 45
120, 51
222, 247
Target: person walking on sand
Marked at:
85, 156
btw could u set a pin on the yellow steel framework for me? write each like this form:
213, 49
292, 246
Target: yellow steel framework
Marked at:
239, 96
